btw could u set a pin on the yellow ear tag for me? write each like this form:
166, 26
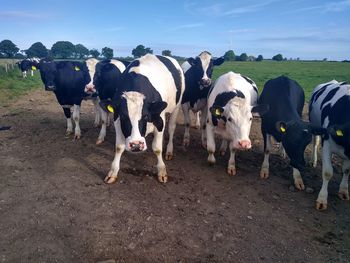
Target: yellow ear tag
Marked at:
76, 68
283, 129
33, 67
339, 133
110, 108
217, 112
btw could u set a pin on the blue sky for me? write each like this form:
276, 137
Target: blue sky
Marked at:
309, 29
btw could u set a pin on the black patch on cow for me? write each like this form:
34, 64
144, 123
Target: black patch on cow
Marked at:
318, 93
329, 96
175, 73
135, 63
222, 99
251, 82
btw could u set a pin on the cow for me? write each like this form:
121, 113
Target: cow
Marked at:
67, 79
329, 107
285, 98
106, 81
231, 103
151, 86
28, 64
198, 72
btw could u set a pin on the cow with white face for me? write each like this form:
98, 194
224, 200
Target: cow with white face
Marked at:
198, 72
231, 104
151, 86
329, 107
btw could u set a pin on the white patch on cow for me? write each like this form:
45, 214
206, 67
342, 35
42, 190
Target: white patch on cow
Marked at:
91, 65
185, 66
205, 57
118, 64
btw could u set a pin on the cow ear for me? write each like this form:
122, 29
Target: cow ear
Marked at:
260, 110
192, 61
281, 127
157, 107
216, 111
109, 107
218, 61
335, 131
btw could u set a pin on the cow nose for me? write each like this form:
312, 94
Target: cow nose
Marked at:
137, 146
50, 88
89, 88
245, 144
205, 82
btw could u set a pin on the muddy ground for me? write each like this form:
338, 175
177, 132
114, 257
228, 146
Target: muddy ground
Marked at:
54, 206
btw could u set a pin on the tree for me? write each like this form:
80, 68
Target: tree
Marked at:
62, 49
243, 57
166, 53
81, 51
8, 49
259, 58
94, 53
278, 57
107, 52
140, 51
37, 50
230, 55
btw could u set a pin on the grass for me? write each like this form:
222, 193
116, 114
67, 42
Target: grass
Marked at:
307, 74
12, 85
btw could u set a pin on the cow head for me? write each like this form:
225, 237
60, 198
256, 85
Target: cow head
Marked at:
296, 135
234, 120
48, 70
203, 68
134, 113
91, 66
341, 136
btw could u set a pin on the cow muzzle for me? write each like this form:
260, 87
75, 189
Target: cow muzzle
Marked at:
50, 88
90, 89
136, 146
244, 145
205, 82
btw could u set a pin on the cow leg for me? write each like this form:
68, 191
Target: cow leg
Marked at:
344, 185
157, 146
171, 130
76, 118
119, 149
281, 151
186, 112
210, 143
97, 121
197, 121
231, 169
264, 172
67, 113
327, 173
104, 117
32, 73
24, 74
298, 181
203, 126
315, 143
223, 147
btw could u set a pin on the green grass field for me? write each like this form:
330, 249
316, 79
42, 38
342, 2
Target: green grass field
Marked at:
307, 74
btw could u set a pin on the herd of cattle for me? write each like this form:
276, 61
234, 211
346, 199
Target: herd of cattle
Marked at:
138, 95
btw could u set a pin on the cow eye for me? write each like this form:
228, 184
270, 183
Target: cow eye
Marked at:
250, 118
229, 119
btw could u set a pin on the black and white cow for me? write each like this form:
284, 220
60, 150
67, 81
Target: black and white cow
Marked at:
330, 108
198, 81
106, 81
284, 123
28, 64
151, 87
231, 104
67, 79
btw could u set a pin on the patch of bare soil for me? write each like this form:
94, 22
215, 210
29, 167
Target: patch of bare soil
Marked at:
55, 207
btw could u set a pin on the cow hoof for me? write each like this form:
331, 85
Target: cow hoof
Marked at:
110, 179
211, 159
77, 137
231, 171
222, 152
99, 141
299, 185
264, 174
68, 133
343, 195
321, 205
163, 178
186, 142
168, 156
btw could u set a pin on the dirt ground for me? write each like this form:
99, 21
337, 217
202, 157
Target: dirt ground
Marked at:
54, 206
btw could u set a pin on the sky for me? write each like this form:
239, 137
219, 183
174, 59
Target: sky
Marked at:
308, 29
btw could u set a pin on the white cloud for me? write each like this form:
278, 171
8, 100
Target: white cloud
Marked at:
21, 14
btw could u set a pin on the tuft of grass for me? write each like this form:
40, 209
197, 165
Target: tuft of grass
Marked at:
12, 85
307, 74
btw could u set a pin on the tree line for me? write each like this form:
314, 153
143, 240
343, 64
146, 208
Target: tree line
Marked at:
67, 50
